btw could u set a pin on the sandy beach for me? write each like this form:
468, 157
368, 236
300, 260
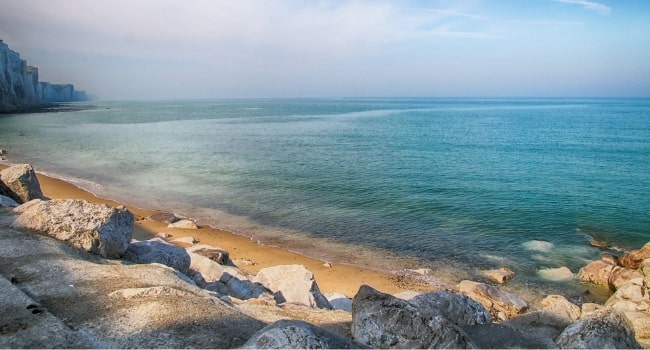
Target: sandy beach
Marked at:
252, 256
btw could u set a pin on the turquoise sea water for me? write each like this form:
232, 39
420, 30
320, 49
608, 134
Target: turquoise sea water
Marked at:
485, 183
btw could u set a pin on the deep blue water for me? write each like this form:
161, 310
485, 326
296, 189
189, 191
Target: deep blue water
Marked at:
477, 182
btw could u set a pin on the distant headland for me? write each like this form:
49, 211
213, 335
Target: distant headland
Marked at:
20, 89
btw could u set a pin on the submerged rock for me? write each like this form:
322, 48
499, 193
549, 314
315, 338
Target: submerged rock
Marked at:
500, 275
96, 228
294, 334
556, 274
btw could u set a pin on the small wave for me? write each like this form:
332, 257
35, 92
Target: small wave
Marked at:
538, 246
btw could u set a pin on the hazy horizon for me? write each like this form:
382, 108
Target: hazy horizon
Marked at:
161, 50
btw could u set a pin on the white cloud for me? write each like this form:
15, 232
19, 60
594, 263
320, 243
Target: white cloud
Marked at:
590, 5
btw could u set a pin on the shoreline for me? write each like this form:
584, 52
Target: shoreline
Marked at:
387, 273
244, 251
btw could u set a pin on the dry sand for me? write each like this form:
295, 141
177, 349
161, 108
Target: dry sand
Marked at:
246, 253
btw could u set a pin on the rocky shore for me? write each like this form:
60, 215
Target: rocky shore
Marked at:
74, 276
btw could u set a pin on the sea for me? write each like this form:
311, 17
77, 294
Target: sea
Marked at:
456, 185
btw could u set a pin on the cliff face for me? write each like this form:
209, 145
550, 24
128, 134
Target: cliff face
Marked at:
20, 88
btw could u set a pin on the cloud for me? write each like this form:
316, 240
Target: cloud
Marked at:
590, 5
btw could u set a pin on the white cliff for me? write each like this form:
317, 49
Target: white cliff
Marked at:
20, 89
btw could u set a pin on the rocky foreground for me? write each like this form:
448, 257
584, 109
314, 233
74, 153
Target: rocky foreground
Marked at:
72, 276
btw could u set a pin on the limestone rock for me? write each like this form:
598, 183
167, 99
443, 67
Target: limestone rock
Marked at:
216, 254
131, 293
633, 259
633, 296
207, 270
559, 307
500, 336
97, 228
184, 223
184, 241
105, 303
606, 329
339, 301
156, 250
460, 309
620, 276
541, 327
167, 218
293, 284
589, 308
641, 323
500, 304
226, 280
244, 289
382, 321
7, 202
596, 272
644, 268
609, 258
294, 334
500, 276
556, 274
22, 183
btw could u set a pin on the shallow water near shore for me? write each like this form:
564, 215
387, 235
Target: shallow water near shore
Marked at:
459, 184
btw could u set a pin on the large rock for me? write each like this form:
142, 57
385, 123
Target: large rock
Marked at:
96, 228
606, 329
596, 272
294, 334
227, 280
634, 258
156, 250
537, 329
459, 309
382, 321
21, 182
500, 304
293, 284
640, 321
216, 254
621, 276
105, 303
559, 308
633, 296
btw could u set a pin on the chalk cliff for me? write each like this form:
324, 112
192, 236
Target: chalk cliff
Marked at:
20, 89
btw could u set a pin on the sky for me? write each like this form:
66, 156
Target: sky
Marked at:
165, 49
